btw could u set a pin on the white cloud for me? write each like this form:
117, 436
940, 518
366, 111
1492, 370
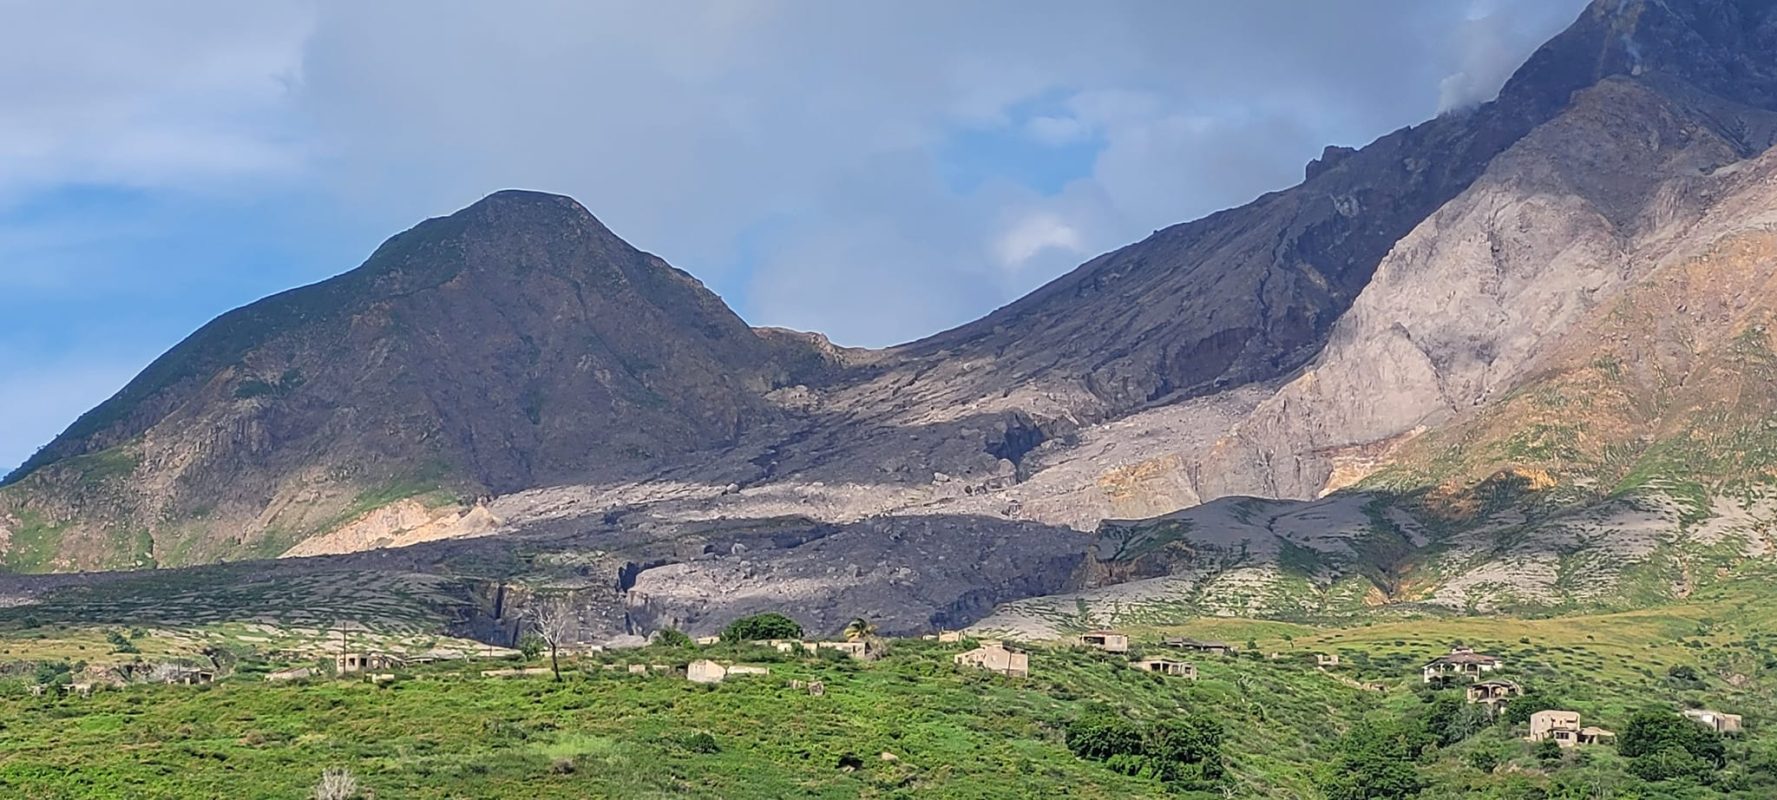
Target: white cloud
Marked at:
1032, 235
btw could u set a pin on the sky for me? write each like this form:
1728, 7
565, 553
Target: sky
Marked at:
874, 171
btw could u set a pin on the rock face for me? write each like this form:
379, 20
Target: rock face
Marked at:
515, 343
1516, 343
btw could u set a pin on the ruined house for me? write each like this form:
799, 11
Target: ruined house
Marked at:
1326, 660
1108, 641
1462, 662
345, 663
950, 636
1563, 727
1494, 692
996, 658
704, 670
1713, 720
1166, 666
706, 641
1182, 643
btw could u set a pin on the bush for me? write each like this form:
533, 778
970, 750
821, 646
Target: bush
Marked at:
770, 625
700, 742
120, 643
1376, 762
1185, 751
672, 637
336, 784
1661, 745
531, 646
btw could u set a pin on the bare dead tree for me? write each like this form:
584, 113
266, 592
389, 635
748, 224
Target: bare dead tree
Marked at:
336, 784
555, 622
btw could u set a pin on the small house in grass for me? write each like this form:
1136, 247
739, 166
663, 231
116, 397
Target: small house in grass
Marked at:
1494, 692
1326, 659
947, 637
996, 658
1166, 666
1713, 720
344, 663
1563, 727
1194, 645
1108, 641
704, 670
1462, 662
706, 641
291, 674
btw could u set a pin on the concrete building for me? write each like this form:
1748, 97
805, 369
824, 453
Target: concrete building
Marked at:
1108, 641
1326, 659
1494, 692
1166, 666
996, 658
1462, 662
1183, 643
947, 637
1713, 720
704, 670
1563, 727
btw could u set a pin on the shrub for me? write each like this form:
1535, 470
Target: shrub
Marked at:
769, 625
672, 637
336, 784
1376, 762
1184, 751
700, 742
531, 646
1661, 745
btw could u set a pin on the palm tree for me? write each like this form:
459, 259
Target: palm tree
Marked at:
859, 628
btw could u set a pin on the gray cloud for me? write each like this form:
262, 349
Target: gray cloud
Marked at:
689, 127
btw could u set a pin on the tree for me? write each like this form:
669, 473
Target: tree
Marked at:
1661, 745
770, 625
1376, 762
859, 629
672, 637
556, 623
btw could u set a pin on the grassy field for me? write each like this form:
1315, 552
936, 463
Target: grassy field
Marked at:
442, 731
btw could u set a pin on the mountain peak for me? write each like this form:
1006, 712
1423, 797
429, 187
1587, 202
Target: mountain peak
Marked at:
1721, 46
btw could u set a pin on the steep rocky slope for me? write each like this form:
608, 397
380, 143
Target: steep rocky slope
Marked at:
515, 343
1528, 341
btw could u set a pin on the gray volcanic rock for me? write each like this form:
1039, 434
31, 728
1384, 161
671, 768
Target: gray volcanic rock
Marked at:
516, 343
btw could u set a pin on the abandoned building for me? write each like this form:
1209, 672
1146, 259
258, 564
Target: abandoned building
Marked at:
1462, 662
1326, 660
344, 663
1182, 643
1166, 666
706, 641
1563, 727
1713, 720
996, 658
187, 676
1494, 692
704, 670
1108, 641
291, 674
947, 637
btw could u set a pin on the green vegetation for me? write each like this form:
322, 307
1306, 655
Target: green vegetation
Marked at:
1083, 725
762, 626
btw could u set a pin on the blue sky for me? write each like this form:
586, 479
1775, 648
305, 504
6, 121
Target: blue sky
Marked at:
876, 172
